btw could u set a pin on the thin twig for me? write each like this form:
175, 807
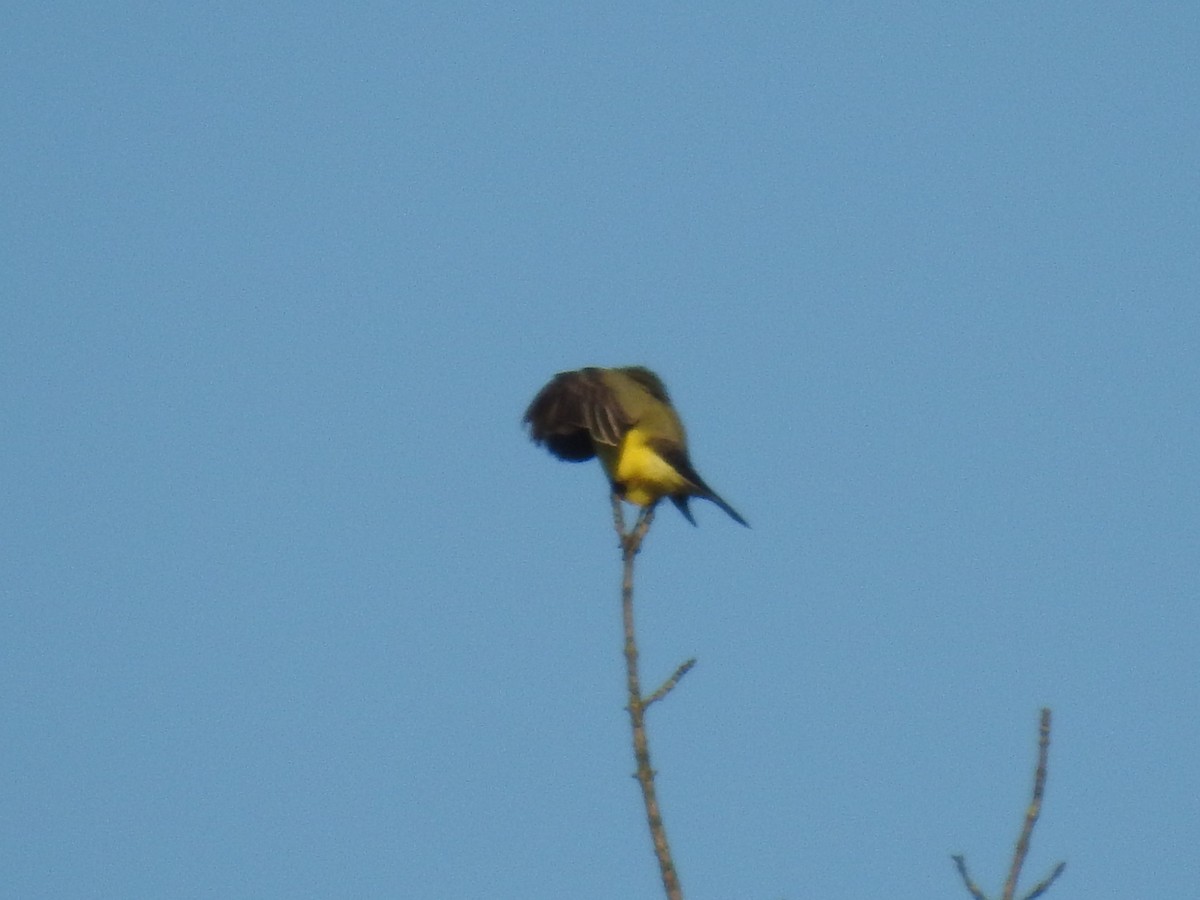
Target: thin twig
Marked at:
618, 509
1040, 888
669, 684
1035, 808
631, 542
971, 885
1031, 817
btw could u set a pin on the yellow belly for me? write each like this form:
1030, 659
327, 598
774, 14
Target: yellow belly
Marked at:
645, 476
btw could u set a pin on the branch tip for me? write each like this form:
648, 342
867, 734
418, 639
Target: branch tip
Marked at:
1031, 816
961, 863
669, 685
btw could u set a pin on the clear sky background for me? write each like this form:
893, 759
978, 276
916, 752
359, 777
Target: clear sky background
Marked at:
291, 607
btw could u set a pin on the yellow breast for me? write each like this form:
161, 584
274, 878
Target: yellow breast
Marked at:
646, 476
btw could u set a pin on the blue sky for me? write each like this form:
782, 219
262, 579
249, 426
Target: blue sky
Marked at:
293, 609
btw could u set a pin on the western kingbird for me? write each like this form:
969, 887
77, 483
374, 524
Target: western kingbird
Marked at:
625, 417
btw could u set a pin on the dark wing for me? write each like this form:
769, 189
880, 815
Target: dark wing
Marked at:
574, 412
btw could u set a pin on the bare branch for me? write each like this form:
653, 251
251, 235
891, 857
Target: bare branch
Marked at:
631, 542
619, 517
1031, 817
1034, 810
971, 885
1040, 888
669, 684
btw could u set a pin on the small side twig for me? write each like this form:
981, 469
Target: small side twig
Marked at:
1040, 888
669, 684
972, 887
1031, 817
631, 542
1034, 810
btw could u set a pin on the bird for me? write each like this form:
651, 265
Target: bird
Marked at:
623, 416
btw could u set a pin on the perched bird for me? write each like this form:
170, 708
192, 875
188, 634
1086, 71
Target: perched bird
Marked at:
625, 417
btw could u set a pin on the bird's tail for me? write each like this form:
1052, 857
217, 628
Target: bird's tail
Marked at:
681, 503
729, 510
